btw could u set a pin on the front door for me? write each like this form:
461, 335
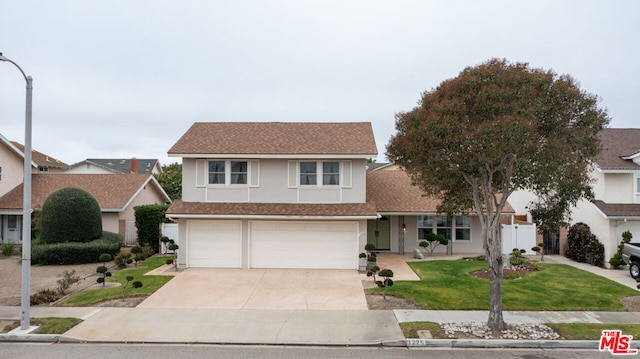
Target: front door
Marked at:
12, 229
379, 233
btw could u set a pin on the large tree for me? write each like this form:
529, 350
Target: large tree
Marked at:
171, 180
495, 128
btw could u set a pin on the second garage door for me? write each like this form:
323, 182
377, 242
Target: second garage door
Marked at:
314, 245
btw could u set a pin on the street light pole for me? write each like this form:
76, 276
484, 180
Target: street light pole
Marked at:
26, 207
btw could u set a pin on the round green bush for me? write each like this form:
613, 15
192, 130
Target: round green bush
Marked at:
70, 215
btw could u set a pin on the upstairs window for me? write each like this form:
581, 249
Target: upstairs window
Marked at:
216, 172
238, 172
308, 174
0, 173
331, 173
637, 184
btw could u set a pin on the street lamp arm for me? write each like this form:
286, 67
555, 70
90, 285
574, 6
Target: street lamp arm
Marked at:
26, 78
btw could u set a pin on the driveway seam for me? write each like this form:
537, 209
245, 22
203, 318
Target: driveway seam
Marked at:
255, 286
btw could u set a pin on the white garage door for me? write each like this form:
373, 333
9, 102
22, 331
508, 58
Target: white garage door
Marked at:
214, 244
315, 245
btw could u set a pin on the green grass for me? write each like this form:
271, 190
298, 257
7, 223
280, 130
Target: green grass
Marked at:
47, 325
447, 285
149, 285
590, 331
410, 329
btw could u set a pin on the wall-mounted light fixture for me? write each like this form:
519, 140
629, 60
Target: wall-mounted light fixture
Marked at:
404, 228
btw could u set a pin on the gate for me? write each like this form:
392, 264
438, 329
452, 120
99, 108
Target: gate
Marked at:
551, 242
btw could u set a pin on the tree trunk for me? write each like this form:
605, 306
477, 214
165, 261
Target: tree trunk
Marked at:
496, 265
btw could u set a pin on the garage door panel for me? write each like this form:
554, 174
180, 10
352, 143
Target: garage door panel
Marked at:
316, 245
215, 244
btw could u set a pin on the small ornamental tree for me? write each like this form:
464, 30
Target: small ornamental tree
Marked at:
138, 254
104, 258
540, 250
432, 240
386, 281
496, 128
70, 215
616, 261
136, 284
173, 247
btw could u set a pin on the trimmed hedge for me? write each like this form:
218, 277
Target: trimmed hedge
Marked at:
70, 215
148, 219
77, 252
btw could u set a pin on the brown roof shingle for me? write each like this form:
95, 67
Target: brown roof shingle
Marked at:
112, 191
618, 209
391, 191
616, 143
41, 159
277, 138
178, 207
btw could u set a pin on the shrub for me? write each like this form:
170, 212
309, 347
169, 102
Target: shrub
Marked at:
68, 278
583, 246
616, 261
148, 219
122, 260
70, 215
7, 249
44, 296
76, 253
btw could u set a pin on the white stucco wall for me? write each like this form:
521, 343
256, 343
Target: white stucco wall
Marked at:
12, 169
273, 184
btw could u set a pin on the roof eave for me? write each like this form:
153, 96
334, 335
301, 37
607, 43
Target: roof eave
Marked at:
274, 156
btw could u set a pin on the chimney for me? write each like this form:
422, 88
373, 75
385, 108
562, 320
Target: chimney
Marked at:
134, 165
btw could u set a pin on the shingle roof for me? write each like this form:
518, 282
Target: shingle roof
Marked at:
178, 207
41, 159
616, 143
391, 191
619, 209
112, 191
121, 165
277, 138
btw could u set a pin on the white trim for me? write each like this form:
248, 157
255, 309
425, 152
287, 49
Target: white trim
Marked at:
268, 156
637, 154
271, 217
202, 165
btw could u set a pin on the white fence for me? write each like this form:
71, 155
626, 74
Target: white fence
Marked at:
521, 236
169, 230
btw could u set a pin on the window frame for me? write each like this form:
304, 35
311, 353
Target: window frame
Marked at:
307, 174
442, 224
228, 173
320, 174
335, 175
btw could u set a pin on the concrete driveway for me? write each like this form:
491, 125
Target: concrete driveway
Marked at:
307, 289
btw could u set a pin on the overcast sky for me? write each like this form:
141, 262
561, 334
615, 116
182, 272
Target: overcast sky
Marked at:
126, 78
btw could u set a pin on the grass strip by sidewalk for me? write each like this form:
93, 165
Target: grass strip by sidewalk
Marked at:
47, 325
568, 331
447, 285
149, 285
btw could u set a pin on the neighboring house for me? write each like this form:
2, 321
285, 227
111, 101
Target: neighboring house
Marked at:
406, 215
273, 195
616, 204
297, 195
107, 166
12, 164
117, 195
11, 175
616, 188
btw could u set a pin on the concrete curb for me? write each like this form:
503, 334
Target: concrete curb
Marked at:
409, 343
499, 343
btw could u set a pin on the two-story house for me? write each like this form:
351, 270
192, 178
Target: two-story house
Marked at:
273, 195
12, 174
298, 195
616, 204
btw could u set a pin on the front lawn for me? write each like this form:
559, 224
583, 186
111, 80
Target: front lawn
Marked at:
447, 285
150, 284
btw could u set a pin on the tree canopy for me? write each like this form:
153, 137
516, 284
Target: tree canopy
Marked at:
495, 128
171, 180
